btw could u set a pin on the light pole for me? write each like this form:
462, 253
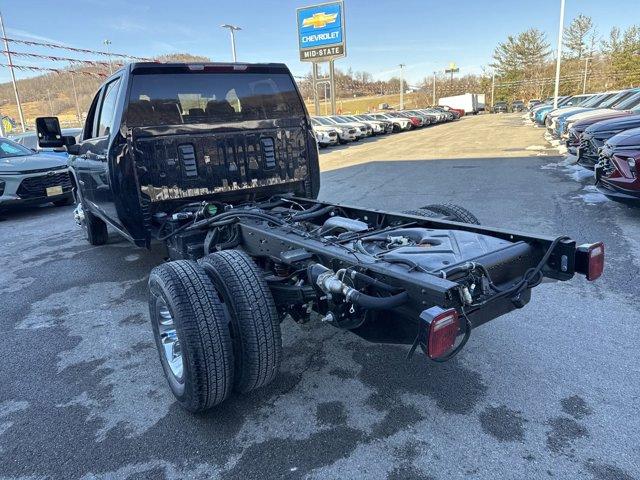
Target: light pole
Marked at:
401, 87
106, 44
232, 31
559, 55
493, 88
434, 89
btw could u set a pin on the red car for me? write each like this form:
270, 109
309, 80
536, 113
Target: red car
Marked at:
618, 172
459, 111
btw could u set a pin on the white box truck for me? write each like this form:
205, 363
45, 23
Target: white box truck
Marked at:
468, 102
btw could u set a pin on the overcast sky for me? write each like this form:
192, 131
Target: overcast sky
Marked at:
423, 34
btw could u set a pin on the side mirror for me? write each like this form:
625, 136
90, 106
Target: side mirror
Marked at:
49, 132
73, 148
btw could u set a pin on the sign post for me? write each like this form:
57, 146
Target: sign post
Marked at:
321, 38
453, 68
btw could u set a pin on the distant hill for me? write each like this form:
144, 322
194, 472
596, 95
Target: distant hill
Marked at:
52, 93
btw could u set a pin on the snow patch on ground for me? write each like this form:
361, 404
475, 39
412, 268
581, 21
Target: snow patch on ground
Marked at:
536, 147
592, 195
578, 173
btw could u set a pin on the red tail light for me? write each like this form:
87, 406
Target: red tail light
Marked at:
440, 329
591, 260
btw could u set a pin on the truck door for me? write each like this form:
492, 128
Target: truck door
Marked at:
92, 163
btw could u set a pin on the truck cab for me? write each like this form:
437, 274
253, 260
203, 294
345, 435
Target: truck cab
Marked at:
158, 136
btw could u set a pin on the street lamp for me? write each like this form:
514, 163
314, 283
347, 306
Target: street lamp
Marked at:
402, 65
232, 31
559, 55
106, 44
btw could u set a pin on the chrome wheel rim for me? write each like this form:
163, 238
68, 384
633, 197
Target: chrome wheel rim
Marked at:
169, 339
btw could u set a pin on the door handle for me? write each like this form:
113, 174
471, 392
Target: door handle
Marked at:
95, 157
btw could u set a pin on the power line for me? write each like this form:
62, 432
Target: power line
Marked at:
56, 58
75, 49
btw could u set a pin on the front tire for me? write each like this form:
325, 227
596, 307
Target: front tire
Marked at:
95, 229
192, 334
257, 340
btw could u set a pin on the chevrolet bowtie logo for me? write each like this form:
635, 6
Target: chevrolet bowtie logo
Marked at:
319, 20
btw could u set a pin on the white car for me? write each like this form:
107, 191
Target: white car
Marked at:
376, 127
345, 133
399, 124
325, 136
363, 129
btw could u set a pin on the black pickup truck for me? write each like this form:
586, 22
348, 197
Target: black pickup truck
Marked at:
219, 162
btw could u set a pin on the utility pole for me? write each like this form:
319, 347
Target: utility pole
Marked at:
434, 89
107, 43
75, 96
493, 88
401, 86
49, 99
326, 100
559, 55
232, 31
13, 75
584, 80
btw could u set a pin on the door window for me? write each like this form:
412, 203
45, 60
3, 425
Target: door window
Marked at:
108, 108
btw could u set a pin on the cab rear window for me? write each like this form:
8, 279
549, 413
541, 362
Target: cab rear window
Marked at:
173, 99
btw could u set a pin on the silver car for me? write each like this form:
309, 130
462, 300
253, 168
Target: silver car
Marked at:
28, 177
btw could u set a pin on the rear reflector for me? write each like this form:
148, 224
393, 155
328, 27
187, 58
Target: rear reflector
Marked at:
440, 329
592, 260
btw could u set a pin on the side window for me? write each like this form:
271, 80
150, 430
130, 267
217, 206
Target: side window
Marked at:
90, 122
108, 108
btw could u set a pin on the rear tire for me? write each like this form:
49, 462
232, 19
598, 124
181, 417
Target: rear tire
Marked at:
257, 340
446, 211
192, 334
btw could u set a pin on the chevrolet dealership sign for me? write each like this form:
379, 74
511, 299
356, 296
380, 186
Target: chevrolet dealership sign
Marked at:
321, 32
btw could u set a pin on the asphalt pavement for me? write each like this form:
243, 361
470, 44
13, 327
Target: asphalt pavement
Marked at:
549, 391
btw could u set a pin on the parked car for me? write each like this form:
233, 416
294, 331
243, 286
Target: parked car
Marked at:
518, 106
456, 111
617, 173
596, 135
400, 124
386, 124
376, 127
416, 121
630, 107
541, 111
30, 140
427, 118
500, 107
533, 102
248, 247
326, 138
28, 177
346, 133
362, 129
612, 105
572, 107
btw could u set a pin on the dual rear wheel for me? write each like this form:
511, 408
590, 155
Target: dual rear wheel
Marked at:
216, 327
